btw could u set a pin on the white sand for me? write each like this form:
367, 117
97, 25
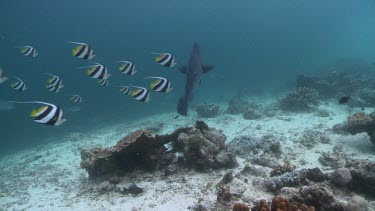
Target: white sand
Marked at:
55, 181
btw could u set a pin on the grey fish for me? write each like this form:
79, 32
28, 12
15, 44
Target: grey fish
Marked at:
194, 71
3, 77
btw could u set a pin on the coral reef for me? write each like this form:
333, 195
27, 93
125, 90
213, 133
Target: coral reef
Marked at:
333, 159
207, 110
251, 114
357, 203
341, 176
238, 105
358, 123
279, 203
301, 99
240, 207
363, 176
282, 169
310, 138
201, 147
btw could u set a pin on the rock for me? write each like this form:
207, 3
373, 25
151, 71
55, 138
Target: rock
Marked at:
227, 178
322, 113
238, 105
225, 159
320, 197
105, 187
251, 170
311, 137
170, 170
315, 175
357, 203
207, 110
114, 180
133, 189
251, 115
335, 159
363, 176
341, 177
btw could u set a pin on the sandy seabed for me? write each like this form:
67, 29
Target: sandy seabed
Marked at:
49, 177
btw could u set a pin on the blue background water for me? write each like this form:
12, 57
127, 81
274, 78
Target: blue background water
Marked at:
254, 45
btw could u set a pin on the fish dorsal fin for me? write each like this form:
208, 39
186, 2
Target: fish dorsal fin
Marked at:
183, 69
37, 112
207, 67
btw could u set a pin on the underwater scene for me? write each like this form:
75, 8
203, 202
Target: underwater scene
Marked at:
187, 105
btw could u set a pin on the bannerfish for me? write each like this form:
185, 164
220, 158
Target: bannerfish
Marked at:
127, 68
54, 83
160, 84
125, 90
76, 99
165, 59
28, 51
49, 114
140, 94
194, 71
98, 71
19, 86
82, 51
344, 99
103, 82
3, 77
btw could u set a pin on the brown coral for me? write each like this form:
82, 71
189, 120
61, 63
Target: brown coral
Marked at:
282, 169
282, 204
359, 119
359, 123
240, 207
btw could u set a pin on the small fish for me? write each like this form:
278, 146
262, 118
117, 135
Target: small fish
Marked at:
363, 109
140, 94
98, 71
125, 90
28, 51
83, 51
103, 82
165, 59
344, 99
177, 116
54, 83
127, 68
3, 77
160, 84
76, 99
49, 114
20, 85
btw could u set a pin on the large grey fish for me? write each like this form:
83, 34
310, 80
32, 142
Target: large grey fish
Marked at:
194, 71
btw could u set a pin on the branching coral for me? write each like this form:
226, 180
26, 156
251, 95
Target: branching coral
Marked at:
301, 99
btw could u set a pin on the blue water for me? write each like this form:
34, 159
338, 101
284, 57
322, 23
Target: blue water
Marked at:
255, 45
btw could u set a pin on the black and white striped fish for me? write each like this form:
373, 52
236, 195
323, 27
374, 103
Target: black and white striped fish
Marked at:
83, 51
125, 90
103, 82
98, 71
54, 83
140, 94
3, 77
76, 99
160, 84
20, 85
49, 114
127, 68
28, 51
165, 59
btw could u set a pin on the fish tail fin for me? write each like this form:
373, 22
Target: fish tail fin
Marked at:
182, 107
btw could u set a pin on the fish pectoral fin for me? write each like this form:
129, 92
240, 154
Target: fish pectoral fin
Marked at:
207, 67
183, 69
